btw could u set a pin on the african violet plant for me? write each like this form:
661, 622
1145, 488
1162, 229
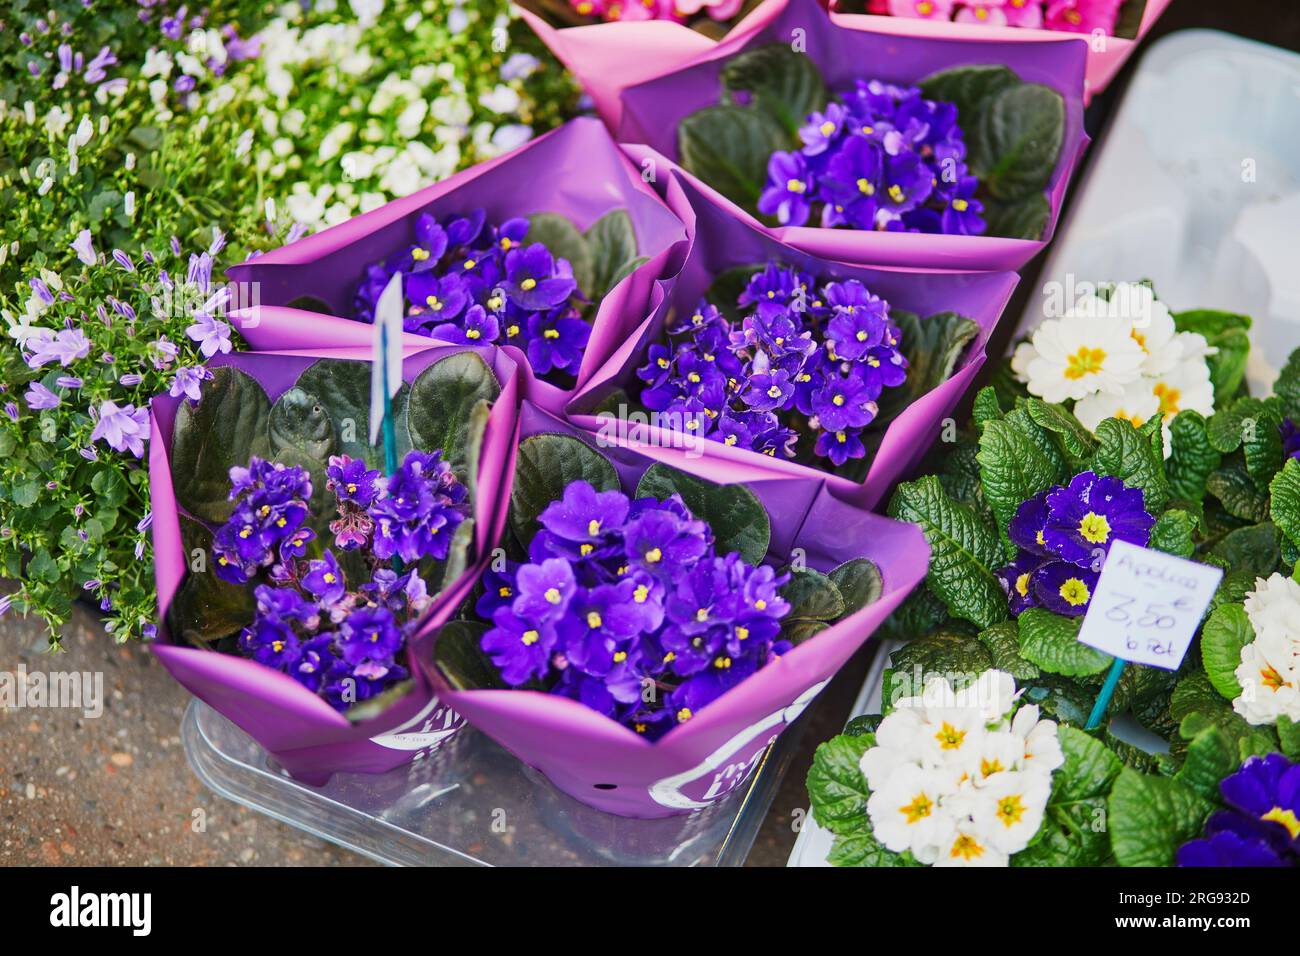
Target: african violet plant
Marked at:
967, 151
779, 361
316, 563
645, 605
533, 283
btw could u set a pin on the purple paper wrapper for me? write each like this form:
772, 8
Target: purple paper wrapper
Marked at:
652, 111
720, 242
300, 730
606, 765
576, 171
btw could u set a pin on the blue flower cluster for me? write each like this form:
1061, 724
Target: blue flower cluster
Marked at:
470, 282
338, 642
624, 606
1064, 535
1260, 825
823, 353
883, 158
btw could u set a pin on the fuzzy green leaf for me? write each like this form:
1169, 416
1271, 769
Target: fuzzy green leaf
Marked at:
735, 515
1226, 632
1050, 641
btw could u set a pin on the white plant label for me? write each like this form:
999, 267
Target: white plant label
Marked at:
1147, 605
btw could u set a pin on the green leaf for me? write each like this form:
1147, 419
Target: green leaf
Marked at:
562, 238
737, 518
1050, 641
1074, 825
1233, 423
109, 487
1210, 322
43, 567
1023, 218
1173, 533
964, 547
986, 407
1254, 548
950, 652
859, 583
227, 427
1003, 643
727, 287
343, 389
440, 412
968, 87
1284, 500
1192, 458
863, 849
812, 595
612, 242
1288, 733
1126, 453
1228, 365
728, 147
1013, 469
796, 631
1016, 138
1226, 632
1076, 441
205, 608
836, 786
1195, 699
458, 654
299, 422
1151, 817
544, 466
1287, 388
1236, 491
1262, 447
934, 347
783, 83
1211, 756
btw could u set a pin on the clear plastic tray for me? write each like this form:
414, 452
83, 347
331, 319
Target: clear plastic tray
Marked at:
473, 803
1195, 185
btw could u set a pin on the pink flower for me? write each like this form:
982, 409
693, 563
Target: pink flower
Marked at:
1024, 13
986, 12
716, 9
1082, 16
921, 9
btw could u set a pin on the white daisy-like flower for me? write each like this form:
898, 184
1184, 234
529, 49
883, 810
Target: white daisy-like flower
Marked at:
1009, 810
1042, 747
1269, 672
1076, 356
1186, 385
906, 814
966, 847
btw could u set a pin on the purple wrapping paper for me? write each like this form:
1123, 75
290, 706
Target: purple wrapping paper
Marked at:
577, 171
652, 110
720, 242
606, 765
300, 730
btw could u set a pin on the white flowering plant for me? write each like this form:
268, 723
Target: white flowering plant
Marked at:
1022, 508
143, 148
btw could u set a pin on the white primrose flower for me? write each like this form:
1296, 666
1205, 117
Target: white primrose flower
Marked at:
961, 777
1077, 356
1269, 672
156, 63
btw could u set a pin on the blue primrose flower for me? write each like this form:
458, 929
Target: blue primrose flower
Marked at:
1261, 825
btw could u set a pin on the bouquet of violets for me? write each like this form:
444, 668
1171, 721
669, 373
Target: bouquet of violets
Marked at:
801, 138
824, 370
496, 255
645, 632
296, 575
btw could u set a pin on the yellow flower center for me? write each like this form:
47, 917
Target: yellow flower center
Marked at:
418, 254
586, 549
593, 527
1285, 817
472, 333
865, 187
551, 334
329, 577
796, 186
684, 715
760, 605
552, 595
827, 128
620, 657
653, 556
896, 193
1169, 398
960, 205
949, 737
593, 620
640, 594
512, 331
722, 663
742, 633
528, 284
774, 391
1022, 584
506, 244
916, 811
837, 400
1086, 361
1271, 679
503, 591
277, 646
434, 302
495, 303
530, 638
1010, 809
989, 767
1075, 592
925, 8
470, 264
1094, 528
966, 847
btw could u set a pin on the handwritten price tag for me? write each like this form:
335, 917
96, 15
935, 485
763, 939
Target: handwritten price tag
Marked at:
1147, 605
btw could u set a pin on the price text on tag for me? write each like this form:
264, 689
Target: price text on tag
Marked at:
1147, 605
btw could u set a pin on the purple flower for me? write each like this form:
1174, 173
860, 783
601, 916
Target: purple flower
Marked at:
84, 247
369, 634
789, 189
1063, 587
351, 480
420, 510
585, 516
1261, 825
1017, 579
535, 280
1290, 439
324, 580
1090, 513
65, 347
212, 334
124, 429
39, 397
520, 648
188, 381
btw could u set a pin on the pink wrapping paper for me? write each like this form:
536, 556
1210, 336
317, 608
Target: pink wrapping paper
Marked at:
1106, 54
606, 765
576, 171
652, 110
720, 242
300, 730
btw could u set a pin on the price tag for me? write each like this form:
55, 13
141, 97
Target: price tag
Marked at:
1147, 605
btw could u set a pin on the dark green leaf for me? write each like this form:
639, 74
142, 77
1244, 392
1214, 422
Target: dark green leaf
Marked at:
1173, 533
1237, 493
1126, 453
1151, 817
1023, 218
458, 654
859, 583
227, 427
836, 786
783, 83
1013, 469
544, 466
1253, 548
1226, 632
934, 347
968, 87
562, 238
205, 608
1074, 827
1076, 441
728, 147
440, 414
1050, 641
343, 389
1192, 458
1285, 500
812, 595
1016, 138
1211, 756
1003, 643
1287, 388
612, 242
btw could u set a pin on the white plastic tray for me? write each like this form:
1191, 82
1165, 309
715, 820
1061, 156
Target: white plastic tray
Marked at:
1195, 184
